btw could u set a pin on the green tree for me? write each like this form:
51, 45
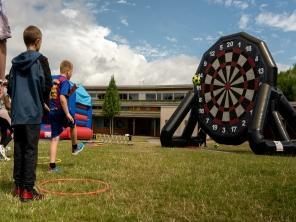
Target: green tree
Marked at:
286, 81
111, 105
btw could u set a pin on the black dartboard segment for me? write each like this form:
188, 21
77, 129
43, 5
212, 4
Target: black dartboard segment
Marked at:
231, 71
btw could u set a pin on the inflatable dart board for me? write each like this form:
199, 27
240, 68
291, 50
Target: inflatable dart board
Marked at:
231, 72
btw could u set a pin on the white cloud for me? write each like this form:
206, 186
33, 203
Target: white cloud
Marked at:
70, 13
119, 39
232, 3
197, 38
243, 22
283, 67
122, 2
88, 46
152, 52
124, 21
220, 33
171, 39
104, 7
284, 21
210, 38
262, 6
125, 2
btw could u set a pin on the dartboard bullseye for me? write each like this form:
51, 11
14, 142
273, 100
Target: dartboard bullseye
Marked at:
231, 72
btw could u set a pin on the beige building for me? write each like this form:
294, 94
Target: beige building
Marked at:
144, 109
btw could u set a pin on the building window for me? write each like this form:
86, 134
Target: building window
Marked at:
93, 95
179, 96
167, 96
124, 108
97, 107
101, 96
158, 96
133, 96
123, 96
99, 122
150, 96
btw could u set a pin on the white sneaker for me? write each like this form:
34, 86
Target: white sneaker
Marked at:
3, 153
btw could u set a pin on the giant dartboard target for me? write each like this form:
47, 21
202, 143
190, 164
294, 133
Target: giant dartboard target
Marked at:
232, 71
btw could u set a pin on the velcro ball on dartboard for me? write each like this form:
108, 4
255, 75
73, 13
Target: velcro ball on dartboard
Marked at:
196, 80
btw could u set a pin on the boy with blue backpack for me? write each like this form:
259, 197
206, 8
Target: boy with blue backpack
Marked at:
61, 114
29, 87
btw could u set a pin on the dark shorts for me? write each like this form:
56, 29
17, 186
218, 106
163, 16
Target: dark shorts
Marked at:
58, 122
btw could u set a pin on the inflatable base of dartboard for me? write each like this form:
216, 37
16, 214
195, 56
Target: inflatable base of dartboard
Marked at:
237, 100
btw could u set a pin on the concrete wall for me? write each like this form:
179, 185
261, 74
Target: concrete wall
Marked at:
165, 114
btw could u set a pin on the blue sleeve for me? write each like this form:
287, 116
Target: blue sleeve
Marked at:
64, 88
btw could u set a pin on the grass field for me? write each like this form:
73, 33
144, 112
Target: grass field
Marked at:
150, 183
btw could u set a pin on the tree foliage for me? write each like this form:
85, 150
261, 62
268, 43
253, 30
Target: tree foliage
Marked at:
286, 81
111, 105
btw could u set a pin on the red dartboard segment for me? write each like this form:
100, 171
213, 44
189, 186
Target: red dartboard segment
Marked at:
237, 50
251, 62
220, 53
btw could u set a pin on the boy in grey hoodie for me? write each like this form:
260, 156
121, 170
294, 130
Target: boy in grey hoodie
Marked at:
29, 87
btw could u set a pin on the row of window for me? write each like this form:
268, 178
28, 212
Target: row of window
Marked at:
144, 96
133, 108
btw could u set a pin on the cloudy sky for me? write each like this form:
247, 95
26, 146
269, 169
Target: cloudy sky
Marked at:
147, 41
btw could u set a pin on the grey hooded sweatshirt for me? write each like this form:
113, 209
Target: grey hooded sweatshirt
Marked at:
26, 88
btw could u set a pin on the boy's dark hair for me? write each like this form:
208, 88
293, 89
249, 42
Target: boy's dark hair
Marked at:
65, 66
31, 34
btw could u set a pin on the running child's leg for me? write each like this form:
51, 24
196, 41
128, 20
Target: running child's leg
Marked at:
76, 148
53, 150
73, 131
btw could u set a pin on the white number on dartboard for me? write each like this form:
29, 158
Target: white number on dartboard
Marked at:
215, 127
249, 48
233, 129
207, 120
205, 63
261, 71
212, 53
229, 44
243, 122
223, 130
201, 111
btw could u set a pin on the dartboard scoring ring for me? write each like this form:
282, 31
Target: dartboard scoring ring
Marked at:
231, 72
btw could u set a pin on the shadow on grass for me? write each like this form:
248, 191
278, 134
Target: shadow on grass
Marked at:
62, 165
250, 152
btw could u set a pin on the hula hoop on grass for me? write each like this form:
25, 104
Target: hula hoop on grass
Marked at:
46, 160
89, 193
93, 143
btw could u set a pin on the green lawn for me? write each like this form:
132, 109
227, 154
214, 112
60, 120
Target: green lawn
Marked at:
150, 183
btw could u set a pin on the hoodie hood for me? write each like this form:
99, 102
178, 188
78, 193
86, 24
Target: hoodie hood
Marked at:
25, 60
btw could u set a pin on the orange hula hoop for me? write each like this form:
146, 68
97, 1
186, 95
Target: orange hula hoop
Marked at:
95, 192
